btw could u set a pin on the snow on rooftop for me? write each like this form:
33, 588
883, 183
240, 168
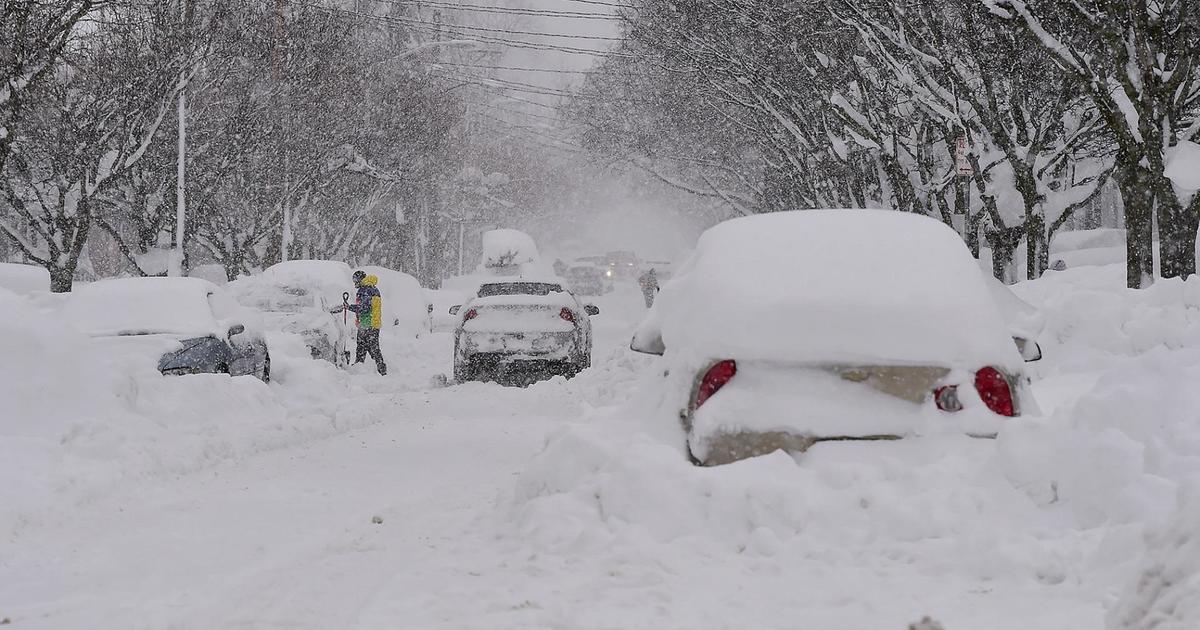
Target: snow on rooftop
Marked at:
508, 248
835, 286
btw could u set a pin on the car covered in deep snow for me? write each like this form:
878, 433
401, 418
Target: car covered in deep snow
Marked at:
296, 297
790, 329
189, 325
522, 326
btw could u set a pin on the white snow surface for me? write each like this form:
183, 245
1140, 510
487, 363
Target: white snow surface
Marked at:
24, 279
334, 499
140, 306
835, 286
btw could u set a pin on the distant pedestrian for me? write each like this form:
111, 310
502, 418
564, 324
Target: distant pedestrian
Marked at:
649, 283
368, 305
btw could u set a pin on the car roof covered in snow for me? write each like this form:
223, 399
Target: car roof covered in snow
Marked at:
835, 286
320, 273
139, 306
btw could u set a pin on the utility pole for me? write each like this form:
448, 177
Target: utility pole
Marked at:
175, 260
285, 238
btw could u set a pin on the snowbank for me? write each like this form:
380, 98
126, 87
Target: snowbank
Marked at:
80, 418
1166, 592
24, 279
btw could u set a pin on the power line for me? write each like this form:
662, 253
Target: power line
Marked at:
452, 30
485, 29
479, 8
515, 68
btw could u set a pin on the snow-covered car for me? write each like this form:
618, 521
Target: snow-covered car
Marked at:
407, 312
191, 326
1024, 321
790, 329
522, 326
296, 297
441, 300
587, 280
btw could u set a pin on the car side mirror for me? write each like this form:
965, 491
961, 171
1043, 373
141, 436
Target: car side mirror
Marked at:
1030, 350
236, 329
454, 309
592, 309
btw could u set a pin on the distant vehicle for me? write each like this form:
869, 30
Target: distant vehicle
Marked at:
874, 325
189, 325
623, 265
522, 328
587, 280
296, 297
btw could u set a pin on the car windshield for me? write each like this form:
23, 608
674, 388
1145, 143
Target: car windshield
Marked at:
519, 288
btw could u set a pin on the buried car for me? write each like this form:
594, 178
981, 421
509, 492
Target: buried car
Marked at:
189, 325
522, 326
786, 330
296, 297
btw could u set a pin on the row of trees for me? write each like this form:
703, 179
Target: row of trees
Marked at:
313, 130
1000, 117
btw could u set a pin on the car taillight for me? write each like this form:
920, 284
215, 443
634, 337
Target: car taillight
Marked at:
567, 315
995, 391
714, 379
471, 314
946, 398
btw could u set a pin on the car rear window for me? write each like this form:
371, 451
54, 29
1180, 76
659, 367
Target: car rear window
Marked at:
519, 288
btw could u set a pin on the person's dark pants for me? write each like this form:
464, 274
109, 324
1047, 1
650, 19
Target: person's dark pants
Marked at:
368, 342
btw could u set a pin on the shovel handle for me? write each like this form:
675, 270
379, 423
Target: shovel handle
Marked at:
346, 304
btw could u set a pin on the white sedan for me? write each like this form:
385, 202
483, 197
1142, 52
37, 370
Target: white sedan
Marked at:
790, 329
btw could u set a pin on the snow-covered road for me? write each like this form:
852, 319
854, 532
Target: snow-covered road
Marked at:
390, 502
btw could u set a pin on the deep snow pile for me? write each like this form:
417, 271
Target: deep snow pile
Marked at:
79, 419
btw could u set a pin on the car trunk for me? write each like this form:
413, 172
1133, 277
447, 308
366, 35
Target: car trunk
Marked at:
527, 330
769, 406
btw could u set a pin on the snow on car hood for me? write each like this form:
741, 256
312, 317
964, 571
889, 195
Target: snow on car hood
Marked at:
836, 286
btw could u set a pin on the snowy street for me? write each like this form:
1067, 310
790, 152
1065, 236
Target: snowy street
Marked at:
481, 525
599, 315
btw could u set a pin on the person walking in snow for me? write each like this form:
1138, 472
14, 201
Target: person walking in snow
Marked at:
649, 284
368, 306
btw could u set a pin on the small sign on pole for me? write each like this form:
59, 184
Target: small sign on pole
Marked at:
961, 164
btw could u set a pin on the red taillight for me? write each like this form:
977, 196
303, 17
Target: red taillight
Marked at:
567, 315
946, 398
995, 391
471, 314
714, 379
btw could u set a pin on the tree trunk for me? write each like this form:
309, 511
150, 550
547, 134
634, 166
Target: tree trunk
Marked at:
1137, 194
61, 277
1176, 233
1037, 259
1004, 242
